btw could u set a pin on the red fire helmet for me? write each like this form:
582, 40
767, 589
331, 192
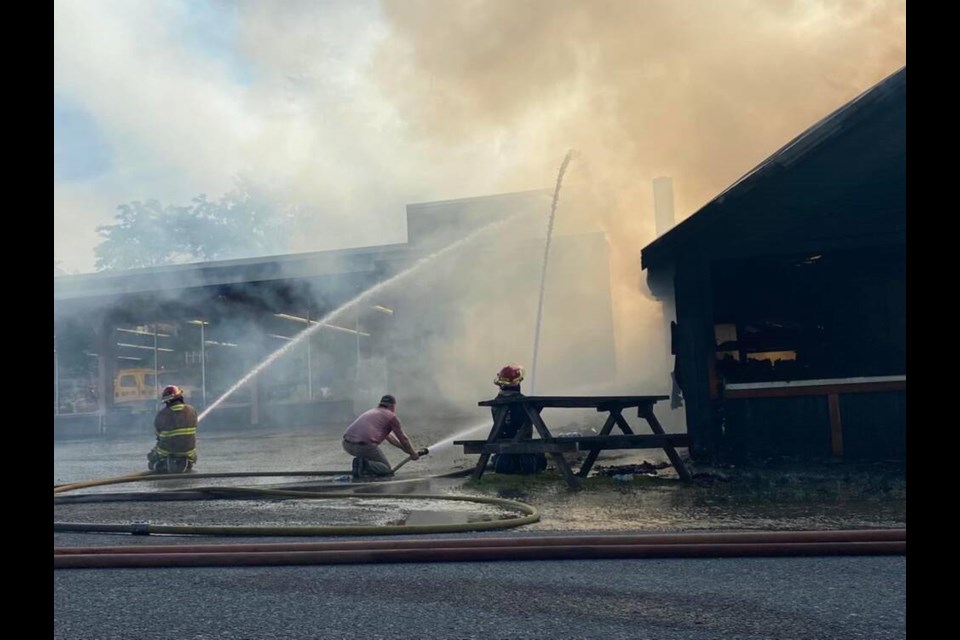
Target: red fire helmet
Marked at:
509, 375
171, 392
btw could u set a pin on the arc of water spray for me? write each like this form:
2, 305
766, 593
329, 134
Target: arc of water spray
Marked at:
276, 355
571, 154
273, 357
448, 441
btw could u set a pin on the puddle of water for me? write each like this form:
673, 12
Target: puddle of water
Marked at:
284, 512
247, 450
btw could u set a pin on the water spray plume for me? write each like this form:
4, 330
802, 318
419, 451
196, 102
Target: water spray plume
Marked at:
446, 442
333, 315
571, 154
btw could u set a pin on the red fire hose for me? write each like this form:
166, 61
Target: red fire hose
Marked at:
681, 545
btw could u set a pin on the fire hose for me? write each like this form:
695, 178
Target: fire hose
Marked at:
678, 545
144, 476
528, 514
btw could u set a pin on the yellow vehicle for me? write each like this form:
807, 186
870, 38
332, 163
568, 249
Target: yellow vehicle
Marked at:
138, 387
134, 385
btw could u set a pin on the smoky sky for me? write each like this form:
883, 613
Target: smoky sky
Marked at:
700, 91
697, 91
355, 109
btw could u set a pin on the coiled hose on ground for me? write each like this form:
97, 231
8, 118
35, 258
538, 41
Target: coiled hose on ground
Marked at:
528, 513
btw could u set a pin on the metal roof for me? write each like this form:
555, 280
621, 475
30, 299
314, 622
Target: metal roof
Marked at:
181, 276
424, 220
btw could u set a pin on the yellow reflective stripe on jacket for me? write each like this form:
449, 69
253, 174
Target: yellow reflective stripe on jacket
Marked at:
160, 451
184, 431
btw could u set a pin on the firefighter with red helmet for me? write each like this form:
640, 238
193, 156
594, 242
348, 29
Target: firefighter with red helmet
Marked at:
176, 430
509, 377
516, 426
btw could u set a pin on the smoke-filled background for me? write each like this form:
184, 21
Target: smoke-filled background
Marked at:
350, 110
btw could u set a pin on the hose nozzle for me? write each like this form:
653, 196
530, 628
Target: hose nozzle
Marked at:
420, 452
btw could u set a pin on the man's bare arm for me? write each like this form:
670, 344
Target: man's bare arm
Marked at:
401, 441
392, 439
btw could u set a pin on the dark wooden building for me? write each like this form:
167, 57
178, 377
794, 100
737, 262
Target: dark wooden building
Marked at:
790, 294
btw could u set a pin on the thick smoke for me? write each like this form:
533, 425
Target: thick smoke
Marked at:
698, 91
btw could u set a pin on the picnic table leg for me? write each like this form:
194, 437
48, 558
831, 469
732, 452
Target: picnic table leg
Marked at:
647, 412
622, 422
500, 414
558, 458
592, 456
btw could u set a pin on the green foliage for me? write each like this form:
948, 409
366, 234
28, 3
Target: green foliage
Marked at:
245, 222
146, 234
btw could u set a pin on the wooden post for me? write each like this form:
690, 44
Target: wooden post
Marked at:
836, 427
696, 347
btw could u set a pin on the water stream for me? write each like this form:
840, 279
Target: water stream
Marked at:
447, 442
333, 315
543, 272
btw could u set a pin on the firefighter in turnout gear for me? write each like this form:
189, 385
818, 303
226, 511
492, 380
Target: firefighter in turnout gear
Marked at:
516, 426
176, 429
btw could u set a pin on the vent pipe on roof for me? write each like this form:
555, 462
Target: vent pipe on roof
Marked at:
663, 204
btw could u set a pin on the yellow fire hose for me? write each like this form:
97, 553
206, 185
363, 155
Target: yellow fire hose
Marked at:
529, 514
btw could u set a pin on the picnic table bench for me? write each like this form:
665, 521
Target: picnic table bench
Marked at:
555, 447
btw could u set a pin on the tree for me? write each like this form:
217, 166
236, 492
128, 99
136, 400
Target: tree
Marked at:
244, 222
146, 234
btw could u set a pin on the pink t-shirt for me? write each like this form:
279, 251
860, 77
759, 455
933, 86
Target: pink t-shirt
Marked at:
372, 427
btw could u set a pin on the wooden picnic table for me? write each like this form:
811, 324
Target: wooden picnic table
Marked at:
555, 447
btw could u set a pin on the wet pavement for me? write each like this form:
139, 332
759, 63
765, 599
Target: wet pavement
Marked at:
627, 504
